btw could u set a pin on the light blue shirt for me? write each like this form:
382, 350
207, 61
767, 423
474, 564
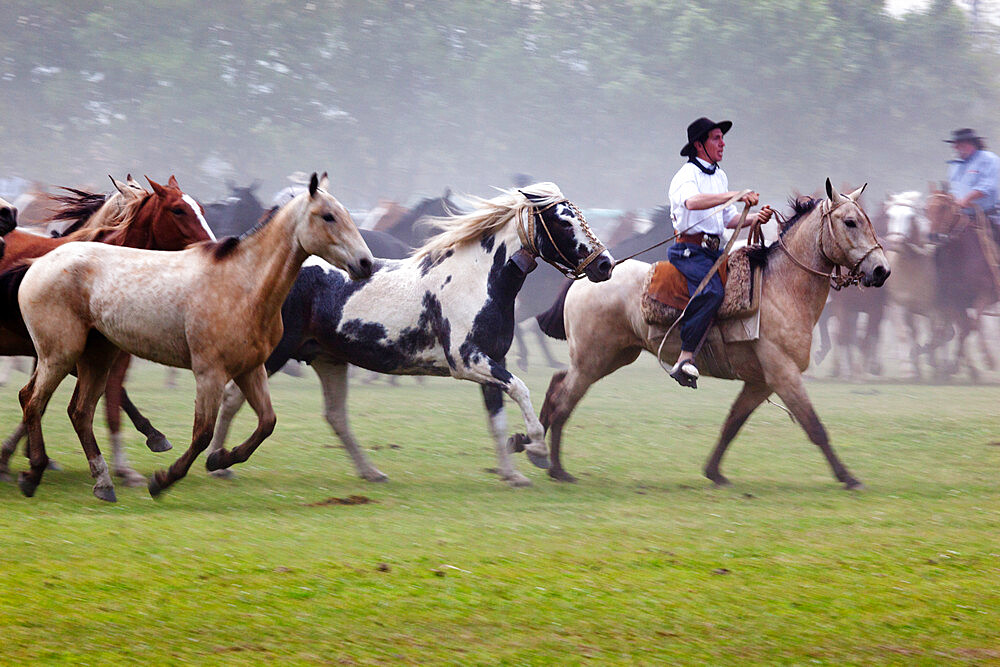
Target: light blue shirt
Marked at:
980, 172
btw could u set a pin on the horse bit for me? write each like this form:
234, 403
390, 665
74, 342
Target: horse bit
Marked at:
527, 237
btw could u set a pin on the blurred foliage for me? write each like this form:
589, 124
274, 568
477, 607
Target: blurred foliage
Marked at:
395, 97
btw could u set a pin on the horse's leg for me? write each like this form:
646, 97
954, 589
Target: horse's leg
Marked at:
824, 338
93, 369
8, 448
113, 413
480, 368
789, 386
155, 440
522, 348
565, 391
209, 384
333, 379
253, 384
232, 401
984, 348
34, 398
964, 326
497, 423
749, 399
553, 362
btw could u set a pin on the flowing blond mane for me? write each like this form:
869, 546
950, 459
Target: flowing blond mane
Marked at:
117, 214
488, 217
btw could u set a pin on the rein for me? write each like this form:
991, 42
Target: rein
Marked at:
526, 232
837, 281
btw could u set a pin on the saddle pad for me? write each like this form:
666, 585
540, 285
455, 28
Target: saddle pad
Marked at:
665, 291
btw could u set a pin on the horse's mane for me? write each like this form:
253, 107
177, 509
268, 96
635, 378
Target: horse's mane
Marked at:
93, 214
487, 217
801, 207
225, 247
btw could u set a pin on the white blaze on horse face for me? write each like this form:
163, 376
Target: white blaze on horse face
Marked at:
189, 200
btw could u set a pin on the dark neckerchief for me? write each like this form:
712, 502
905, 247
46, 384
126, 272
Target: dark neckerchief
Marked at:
705, 170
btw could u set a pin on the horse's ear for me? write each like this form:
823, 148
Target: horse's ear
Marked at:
157, 188
531, 197
324, 182
831, 192
313, 185
119, 186
447, 194
173, 182
132, 183
857, 193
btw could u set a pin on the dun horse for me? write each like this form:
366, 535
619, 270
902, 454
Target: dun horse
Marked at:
162, 219
214, 308
447, 310
606, 330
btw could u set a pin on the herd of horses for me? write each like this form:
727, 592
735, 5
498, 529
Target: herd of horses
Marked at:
947, 279
233, 291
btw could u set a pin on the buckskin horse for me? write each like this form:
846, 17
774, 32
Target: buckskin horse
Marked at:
448, 310
606, 329
165, 218
214, 308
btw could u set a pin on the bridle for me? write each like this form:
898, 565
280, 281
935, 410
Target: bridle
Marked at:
837, 281
526, 232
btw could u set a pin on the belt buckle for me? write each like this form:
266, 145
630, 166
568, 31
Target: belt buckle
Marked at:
710, 242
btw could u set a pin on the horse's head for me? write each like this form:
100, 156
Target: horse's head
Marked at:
325, 228
906, 224
175, 219
561, 236
944, 215
8, 217
852, 237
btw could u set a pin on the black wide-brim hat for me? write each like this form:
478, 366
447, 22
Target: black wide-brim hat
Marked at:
698, 131
963, 134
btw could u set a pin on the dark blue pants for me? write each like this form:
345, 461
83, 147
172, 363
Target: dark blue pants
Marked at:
701, 310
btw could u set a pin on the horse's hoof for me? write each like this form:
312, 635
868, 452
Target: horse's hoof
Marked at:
516, 443
215, 461
374, 476
719, 480
106, 493
53, 465
854, 485
158, 443
27, 487
155, 486
562, 476
130, 477
517, 480
539, 460
222, 473
5, 476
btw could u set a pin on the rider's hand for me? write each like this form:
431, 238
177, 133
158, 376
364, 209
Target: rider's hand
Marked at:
750, 198
764, 214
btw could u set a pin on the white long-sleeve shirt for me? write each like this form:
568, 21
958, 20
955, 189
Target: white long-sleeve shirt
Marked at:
690, 181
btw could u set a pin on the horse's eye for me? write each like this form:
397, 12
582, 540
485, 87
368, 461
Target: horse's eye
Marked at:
180, 210
328, 217
851, 222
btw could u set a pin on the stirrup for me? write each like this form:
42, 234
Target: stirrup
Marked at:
686, 374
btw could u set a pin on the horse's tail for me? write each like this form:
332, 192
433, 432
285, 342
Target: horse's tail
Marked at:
551, 321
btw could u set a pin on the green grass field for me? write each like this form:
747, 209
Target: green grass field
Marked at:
641, 562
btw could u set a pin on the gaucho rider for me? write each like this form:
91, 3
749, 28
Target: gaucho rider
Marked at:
973, 175
698, 193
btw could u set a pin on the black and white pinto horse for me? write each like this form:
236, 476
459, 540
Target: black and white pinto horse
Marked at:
447, 310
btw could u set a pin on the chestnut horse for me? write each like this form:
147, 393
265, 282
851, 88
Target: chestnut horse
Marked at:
162, 219
214, 308
606, 329
966, 263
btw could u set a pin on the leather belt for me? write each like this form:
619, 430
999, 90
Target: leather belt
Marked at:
709, 241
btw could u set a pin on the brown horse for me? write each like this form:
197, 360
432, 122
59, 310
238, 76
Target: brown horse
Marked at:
162, 219
606, 330
965, 259
214, 308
